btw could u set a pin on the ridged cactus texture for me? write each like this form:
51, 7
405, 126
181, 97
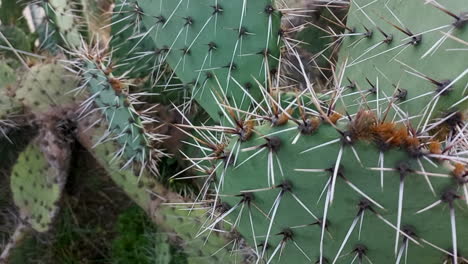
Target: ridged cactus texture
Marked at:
125, 123
224, 50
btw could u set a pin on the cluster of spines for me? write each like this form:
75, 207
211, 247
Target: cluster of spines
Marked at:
414, 85
61, 25
132, 48
130, 127
368, 125
364, 127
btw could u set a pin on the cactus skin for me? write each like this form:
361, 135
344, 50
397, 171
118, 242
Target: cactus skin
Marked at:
205, 44
127, 46
288, 210
110, 96
116, 109
389, 71
38, 179
46, 86
433, 225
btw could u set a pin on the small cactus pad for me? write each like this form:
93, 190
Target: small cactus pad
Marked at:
45, 86
404, 62
125, 123
38, 179
223, 49
285, 184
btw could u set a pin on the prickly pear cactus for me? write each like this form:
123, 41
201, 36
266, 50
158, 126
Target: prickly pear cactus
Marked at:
133, 49
45, 86
403, 63
8, 106
331, 191
124, 122
305, 192
225, 50
167, 209
38, 179
61, 24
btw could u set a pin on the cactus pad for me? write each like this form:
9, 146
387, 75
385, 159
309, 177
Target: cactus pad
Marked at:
38, 179
220, 48
364, 178
133, 51
405, 61
8, 105
151, 196
62, 22
46, 85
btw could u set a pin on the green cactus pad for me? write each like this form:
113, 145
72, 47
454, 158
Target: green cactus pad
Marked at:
45, 86
221, 48
38, 179
421, 72
365, 197
8, 105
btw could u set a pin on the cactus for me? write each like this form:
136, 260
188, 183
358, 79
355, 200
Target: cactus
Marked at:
155, 199
37, 180
124, 122
220, 48
401, 59
12, 37
62, 18
42, 88
306, 176
8, 106
324, 191
344, 176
